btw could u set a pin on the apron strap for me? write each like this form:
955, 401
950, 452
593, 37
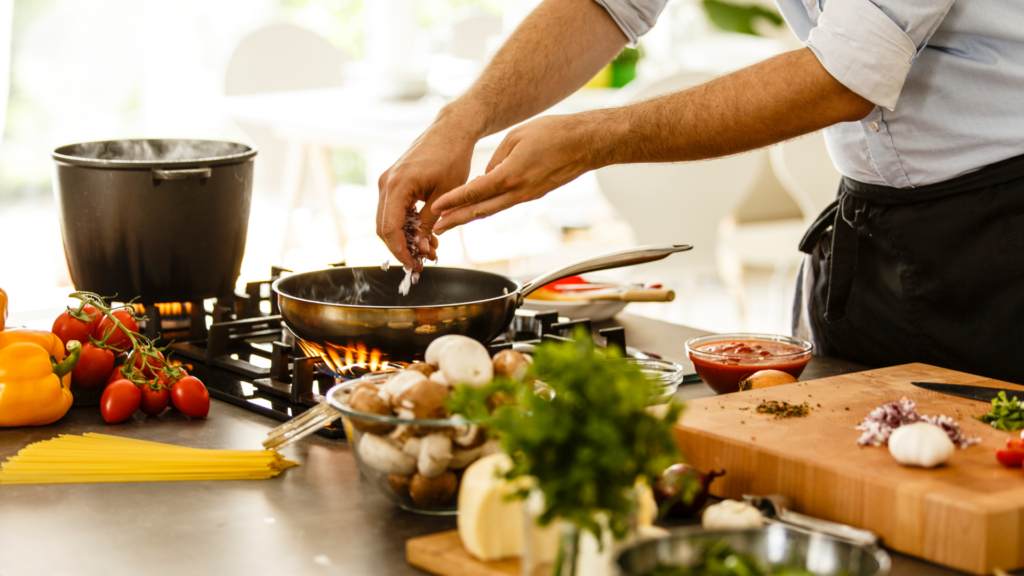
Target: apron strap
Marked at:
845, 215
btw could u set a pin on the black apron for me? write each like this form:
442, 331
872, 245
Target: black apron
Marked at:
933, 274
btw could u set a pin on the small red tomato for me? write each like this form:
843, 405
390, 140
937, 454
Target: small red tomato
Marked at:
148, 363
69, 328
116, 374
1012, 455
93, 367
190, 396
154, 400
119, 339
120, 400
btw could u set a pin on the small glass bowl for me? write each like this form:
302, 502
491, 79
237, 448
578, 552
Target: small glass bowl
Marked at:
668, 375
434, 495
723, 371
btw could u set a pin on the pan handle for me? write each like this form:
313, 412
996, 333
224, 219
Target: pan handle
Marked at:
603, 262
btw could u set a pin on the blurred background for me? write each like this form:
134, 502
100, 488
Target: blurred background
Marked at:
331, 92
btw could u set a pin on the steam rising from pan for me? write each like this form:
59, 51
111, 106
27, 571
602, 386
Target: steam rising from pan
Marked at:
154, 150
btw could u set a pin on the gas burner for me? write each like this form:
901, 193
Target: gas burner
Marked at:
248, 358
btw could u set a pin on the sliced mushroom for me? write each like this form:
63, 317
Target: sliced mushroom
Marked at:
435, 454
385, 455
425, 399
433, 492
469, 436
421, 367
401, 382
510, 364
433, 354
400, 484
366, 400
438, 377
466, 362
462, 457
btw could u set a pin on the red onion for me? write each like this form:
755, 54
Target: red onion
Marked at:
671, 489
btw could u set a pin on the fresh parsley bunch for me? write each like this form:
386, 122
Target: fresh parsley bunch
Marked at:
1005, 414
587, 446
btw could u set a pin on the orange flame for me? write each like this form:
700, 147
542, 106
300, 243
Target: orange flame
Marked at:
340, 357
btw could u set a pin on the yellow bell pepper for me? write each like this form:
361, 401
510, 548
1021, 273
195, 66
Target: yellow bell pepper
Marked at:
35, 377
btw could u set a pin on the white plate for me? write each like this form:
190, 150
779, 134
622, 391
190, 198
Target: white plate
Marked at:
597, 310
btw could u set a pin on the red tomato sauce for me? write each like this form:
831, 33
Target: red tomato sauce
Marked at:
734, 360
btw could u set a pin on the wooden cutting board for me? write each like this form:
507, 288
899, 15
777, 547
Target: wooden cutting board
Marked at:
443, 554
968, 514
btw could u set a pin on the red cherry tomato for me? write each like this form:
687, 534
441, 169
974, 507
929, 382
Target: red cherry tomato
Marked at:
118, 339
120, 400
147, 364
93, 367
69, 328
190, 396
116, 374
1012, 455
154, 401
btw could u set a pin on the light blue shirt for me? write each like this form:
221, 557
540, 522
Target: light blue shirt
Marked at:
947, 79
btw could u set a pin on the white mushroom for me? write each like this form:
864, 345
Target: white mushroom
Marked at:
466, 362
385, 455
462, 457
401, 382
433, 354
439, 378
469, 436
412, 446
401, 433
435, 454
510, 364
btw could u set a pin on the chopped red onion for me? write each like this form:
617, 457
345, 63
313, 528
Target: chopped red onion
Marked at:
411, 229
882, 421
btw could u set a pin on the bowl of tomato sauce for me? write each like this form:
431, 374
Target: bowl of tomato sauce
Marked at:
723, 360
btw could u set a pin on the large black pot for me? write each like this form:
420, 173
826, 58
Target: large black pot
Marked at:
164, 220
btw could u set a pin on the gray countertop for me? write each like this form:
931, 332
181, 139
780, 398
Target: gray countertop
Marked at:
318, 518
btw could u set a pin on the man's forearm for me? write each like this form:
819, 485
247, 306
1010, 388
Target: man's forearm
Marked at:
781, 98
559, 47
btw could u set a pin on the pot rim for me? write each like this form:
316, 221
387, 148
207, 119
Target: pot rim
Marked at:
60, 155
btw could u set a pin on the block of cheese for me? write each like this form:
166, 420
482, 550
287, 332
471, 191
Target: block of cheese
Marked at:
490, 526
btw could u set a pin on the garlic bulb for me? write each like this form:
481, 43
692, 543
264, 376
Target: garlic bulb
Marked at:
921, 444
730, 514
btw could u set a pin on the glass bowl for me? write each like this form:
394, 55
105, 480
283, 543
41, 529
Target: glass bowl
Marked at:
385, 450
722, 366
667, 374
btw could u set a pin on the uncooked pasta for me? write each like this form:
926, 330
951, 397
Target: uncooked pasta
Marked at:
94, 457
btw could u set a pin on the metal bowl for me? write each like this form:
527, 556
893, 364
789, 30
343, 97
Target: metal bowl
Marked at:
775, 545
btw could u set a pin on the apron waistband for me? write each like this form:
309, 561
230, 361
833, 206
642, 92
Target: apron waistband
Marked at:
849, 212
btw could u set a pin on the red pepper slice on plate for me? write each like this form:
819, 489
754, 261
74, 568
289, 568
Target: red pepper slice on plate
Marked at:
1012, 456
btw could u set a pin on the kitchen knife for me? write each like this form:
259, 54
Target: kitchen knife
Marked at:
973, 392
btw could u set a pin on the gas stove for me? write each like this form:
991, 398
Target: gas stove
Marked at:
240, 348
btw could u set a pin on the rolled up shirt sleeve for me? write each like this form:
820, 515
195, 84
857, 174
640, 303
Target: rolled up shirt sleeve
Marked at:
870, 47
634, 17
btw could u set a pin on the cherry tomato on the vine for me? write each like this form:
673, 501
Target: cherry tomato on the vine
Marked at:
190, 397
120, 400
118, 339
69, 328
147, 364
154, 401
1012, 455
93, 367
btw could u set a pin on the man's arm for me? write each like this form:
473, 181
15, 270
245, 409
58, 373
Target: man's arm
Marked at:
781, 98
559, 46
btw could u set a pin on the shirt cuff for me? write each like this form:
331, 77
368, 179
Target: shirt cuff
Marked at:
863, 49
634, 17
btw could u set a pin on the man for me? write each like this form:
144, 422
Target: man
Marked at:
922, 256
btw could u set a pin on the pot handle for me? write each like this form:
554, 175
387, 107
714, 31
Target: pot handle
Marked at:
603, 262
182, 174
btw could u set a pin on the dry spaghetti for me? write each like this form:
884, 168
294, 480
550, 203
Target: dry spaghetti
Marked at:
102, 458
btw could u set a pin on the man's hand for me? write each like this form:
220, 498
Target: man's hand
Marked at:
435, 163
531, 161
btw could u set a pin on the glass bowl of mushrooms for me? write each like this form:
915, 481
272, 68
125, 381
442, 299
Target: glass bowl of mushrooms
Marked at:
403, 438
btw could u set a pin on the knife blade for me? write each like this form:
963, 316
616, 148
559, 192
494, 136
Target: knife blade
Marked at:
964, 391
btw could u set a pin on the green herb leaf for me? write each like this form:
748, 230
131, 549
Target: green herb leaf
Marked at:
1005, 414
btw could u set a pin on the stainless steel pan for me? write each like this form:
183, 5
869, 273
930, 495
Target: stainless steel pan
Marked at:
345, 306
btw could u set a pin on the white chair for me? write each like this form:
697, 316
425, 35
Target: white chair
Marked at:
283, 57
681, 203
803, 168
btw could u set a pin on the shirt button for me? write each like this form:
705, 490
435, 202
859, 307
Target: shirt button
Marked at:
873, 126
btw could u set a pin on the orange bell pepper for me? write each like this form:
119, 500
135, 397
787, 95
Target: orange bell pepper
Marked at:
3, 308
35, 377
